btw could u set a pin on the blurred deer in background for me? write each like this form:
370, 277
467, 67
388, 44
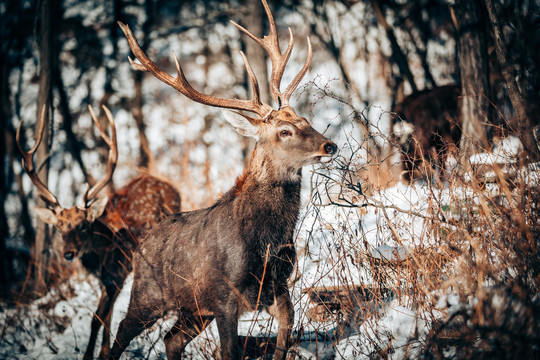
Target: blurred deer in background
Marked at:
427, 127
236, 255
105, 231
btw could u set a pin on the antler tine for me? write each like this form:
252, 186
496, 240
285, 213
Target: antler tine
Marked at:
91, 193
271, 44
253, 78
182, 85
292, 86
28, 162
278, 60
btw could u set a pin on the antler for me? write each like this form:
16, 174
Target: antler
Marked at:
181, 84
271, 44
28, 163
91, 193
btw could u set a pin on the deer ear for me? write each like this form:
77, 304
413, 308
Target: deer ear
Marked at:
46, 215
97, 208
242, 124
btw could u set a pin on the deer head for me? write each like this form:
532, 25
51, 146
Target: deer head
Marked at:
77, 224
289, 137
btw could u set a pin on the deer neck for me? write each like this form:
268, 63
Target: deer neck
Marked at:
267, 204
265, 168
265, 174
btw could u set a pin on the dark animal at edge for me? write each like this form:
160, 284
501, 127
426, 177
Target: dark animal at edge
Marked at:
427, 127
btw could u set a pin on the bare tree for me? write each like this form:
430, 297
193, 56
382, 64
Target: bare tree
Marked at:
4, 116
146, 159
473, 68
398, 57
254, 20
46, 51
523, 122
321, 27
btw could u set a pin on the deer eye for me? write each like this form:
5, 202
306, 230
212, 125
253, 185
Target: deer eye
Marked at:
285, 133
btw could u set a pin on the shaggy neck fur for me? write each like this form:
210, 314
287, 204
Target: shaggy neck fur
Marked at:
267, 203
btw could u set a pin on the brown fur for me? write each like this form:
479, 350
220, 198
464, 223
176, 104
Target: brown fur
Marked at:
239, 184
434, 116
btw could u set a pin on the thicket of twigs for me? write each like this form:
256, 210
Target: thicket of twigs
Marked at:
464, 258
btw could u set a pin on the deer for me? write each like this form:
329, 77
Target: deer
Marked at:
427, 127
236, 255
104, 232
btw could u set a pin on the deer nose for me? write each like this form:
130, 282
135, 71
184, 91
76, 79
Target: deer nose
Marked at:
69, 255
330, 148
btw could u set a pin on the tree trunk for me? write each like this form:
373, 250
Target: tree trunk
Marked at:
110, 70
473, 67
5, 266
74, 144
146, 159
421, 50
42, 239
254, 21
523, 124
328, 39
398, 57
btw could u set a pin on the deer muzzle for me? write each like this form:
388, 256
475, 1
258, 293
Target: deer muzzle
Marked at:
329, 148
326, 152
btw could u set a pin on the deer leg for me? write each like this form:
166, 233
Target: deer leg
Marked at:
137, 319
98, 319
188, 327
227, 323
112, 294
282, 309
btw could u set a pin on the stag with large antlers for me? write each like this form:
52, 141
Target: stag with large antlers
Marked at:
105, 231
236, 255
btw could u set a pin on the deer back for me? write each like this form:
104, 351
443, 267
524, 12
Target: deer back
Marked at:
432, 115
141, 204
